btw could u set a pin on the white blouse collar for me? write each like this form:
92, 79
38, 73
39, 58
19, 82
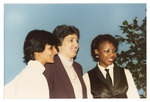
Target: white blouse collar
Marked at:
36, 66
109, 67
102, 69
65, 62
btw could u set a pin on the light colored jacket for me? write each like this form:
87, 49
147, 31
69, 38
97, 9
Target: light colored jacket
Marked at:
29, 84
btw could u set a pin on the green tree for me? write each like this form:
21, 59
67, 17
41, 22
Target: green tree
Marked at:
134, 58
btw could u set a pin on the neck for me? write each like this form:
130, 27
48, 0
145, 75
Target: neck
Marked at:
68, 58
104, 66
43, 63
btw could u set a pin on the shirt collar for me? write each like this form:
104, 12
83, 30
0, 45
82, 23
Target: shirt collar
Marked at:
36, 66
102, 69
65, 62
109, 67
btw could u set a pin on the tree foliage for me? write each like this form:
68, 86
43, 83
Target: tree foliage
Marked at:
134, 58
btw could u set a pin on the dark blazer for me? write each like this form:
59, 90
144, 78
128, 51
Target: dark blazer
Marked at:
59, 82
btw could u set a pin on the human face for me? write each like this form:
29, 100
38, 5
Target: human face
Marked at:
47, 56
107, 53
69, 46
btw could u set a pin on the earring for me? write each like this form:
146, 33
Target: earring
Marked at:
96, 55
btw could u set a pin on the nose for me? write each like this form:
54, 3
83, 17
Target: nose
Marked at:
111, 53
55, 51
76, 44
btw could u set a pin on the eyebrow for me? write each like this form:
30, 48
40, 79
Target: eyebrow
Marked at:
107, 49
73, 38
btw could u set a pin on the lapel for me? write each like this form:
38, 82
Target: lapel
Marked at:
64, 77
79, 74
77, 71
100, 75
116, 77
74, 66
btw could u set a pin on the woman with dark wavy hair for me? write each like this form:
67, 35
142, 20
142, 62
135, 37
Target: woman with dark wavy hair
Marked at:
39, 49
107, 80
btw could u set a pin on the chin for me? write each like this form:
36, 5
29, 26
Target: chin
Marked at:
74, 55
51, 61
110, 64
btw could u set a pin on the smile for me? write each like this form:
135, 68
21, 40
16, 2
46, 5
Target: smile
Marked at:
110, 59
75, 50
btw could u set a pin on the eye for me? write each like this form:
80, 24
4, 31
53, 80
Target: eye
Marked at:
107, 51
77, 40
51, 47
71, 40
114, 51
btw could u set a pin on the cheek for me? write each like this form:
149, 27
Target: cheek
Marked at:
66, 47
102, 54
49, 52
115, 55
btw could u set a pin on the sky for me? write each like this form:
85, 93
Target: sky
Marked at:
91, 19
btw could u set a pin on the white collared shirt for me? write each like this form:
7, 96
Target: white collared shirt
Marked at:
110, 67
29, 84
72, 76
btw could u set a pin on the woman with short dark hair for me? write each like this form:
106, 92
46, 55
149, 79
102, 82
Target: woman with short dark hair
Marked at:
39, 49
65, 75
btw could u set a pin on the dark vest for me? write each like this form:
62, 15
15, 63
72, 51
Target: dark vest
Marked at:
59, 83
101, 89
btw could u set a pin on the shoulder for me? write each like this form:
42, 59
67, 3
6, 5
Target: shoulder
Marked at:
93, 69
126, 71
86, 76
52, 66
49, 69
78, 68
49, 65
76, 64
118, 68
25, 72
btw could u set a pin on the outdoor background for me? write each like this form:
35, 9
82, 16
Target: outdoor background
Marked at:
90, 19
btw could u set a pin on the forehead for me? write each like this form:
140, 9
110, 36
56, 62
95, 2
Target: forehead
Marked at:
106, 44
74, 36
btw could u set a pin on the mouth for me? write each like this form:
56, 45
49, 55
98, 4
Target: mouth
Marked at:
75, 50
110, 59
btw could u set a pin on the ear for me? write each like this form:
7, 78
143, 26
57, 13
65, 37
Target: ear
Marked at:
36, 55
96, 51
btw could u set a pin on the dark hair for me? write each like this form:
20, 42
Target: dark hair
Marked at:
100, 39
35, 41
62, 31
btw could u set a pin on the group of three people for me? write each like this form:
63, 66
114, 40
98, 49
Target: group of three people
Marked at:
51, 71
